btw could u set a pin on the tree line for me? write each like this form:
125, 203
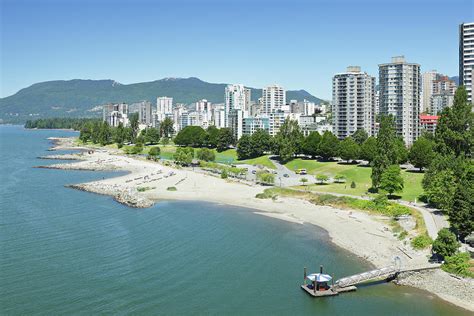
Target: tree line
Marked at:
60, 123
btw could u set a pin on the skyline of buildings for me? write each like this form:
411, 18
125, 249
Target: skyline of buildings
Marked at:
414, 99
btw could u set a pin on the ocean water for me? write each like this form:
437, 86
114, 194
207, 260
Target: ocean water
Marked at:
64, 251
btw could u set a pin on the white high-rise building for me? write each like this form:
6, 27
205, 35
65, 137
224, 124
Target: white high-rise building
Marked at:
145, 113
353, 97
466, 57
203, 106
164, 107
237, 97
427, 89
400, 85
273, 99
114, 114
218, 117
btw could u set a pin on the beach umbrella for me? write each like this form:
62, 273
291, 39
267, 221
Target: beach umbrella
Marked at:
319, 277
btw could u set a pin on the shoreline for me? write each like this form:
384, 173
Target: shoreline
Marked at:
366, 236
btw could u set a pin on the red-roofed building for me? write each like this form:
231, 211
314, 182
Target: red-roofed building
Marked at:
428, 123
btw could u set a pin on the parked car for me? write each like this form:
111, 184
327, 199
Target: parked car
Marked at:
286, 175
254, 171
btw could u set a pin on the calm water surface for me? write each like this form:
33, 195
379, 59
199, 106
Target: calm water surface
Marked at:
64, 251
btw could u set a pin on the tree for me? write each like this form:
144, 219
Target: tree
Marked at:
183, 155
322, 178
311, 144
194, 136
244, 148
329, 145
445, 244
391, 180
339, 178
360, 136
95, 130
421, 153
454, 133
401, 150
152, 135
212, 136
85, 134
225, 139
206, 154
133, 119
261, 142
349, 149
461, 214
166, 128
448, 180
119, 135
303, 181
368, 150
288, 140
154, 153
105, 134
387, 153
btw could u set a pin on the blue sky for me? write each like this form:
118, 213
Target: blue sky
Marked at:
298, 44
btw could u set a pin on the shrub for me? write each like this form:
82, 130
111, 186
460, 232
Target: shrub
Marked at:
143, 189
458, 264
171, 189
445, 244
224, 174
402, 235
353, 185
206, 154
421, 241
265, 177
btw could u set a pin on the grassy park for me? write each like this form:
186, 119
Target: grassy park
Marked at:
360, 175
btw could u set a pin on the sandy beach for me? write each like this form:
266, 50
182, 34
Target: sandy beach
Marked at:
367, 236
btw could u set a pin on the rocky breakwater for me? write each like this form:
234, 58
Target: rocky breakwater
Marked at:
83, 165
128, 196
447, 286
64, 157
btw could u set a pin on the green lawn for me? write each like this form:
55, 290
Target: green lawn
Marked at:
263, 160
360, 175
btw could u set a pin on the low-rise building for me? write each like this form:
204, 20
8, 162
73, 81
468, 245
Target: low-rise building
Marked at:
428, 123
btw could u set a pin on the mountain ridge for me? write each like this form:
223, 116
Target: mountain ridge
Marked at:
79, 97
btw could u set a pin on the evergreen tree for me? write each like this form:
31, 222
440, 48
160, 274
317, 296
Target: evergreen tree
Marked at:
461, 214
133, 119
445, 244
454, 133
119, 135
154, 152
387, 151
448, 182
105, 134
